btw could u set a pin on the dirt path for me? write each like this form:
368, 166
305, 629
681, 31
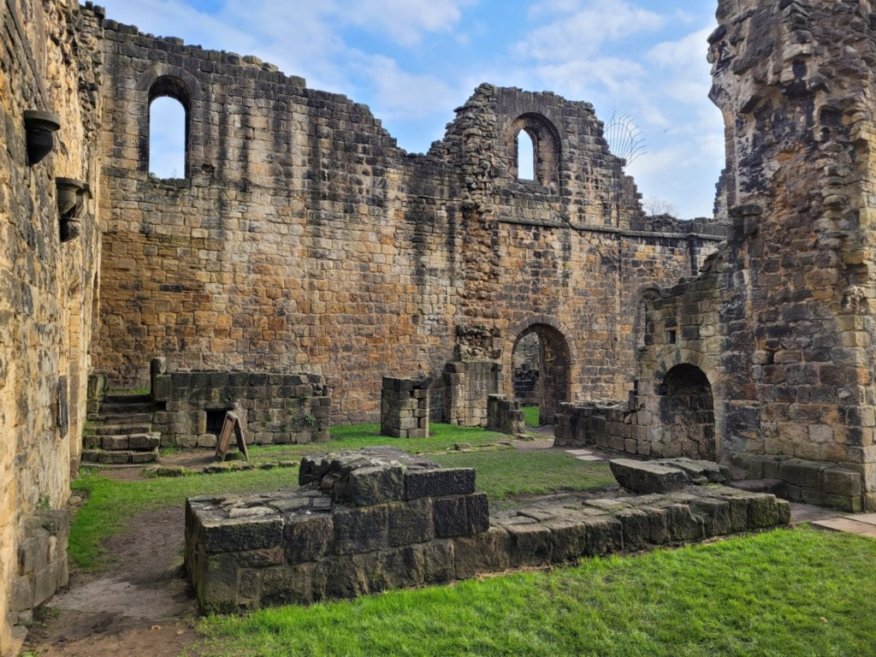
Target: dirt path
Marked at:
140, 607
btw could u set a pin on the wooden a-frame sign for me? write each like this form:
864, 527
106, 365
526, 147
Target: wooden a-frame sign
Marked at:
231, 426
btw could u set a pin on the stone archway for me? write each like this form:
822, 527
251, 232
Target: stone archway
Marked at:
687, 412
553, 359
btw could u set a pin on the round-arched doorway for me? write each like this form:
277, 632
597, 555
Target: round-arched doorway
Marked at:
541, 362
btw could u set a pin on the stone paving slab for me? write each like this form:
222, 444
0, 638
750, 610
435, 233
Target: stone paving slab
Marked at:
847, 525
868, 518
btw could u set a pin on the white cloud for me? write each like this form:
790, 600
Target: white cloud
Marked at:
403, 94
586, 30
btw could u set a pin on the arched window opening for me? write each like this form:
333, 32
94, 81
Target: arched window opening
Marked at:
167, 138
534, 151
525, 156
167, 128
644, 322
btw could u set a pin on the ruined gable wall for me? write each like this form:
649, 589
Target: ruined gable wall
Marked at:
305, 239
294, 243
792, 295
48, 59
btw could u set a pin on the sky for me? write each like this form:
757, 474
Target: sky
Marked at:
414, 61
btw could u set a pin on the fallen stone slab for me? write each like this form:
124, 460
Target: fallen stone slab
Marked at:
647, 476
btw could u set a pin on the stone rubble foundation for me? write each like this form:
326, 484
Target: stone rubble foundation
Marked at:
379, 519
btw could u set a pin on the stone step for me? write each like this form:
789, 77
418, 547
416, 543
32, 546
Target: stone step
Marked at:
773, 486
125, 409
127, 399
106, 457
124, 442
122, 418
119, 429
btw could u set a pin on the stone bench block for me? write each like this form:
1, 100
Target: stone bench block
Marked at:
647, 476
461, 515
364, 529
439, 483
308, 537
411, 522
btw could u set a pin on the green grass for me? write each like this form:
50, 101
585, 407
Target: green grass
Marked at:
443, 437
530, 415
505, 473
112, 503
788, 593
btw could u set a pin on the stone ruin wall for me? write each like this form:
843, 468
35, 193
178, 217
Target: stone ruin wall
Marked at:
49, 58
304, 239
781, 323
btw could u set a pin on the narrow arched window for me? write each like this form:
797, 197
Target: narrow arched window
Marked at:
167, 138
168, 128
525, 156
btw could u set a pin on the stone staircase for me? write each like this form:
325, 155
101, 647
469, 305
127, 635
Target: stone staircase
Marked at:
121, 432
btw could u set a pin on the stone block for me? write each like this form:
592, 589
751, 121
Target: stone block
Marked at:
839, 481
461, 515
370, 485
763, 511
162, 388
143, 441
241, 534
568, 539
805, 474
307, 537
114, 442
483, 553
394, 569
217, 584
531, 544
438, 562
410, 522
439, 483
716, 515
647, 476
287, 585
684, 525
636, 528
361, 529
450, 517
605, 535
339, 577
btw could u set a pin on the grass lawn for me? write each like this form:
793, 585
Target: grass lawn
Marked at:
787, 593
442, 437
530, 415
500, 473
505, 473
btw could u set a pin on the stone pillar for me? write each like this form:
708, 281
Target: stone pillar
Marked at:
404, 408
504, 415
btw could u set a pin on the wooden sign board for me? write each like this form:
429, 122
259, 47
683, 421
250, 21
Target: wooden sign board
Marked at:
231, 427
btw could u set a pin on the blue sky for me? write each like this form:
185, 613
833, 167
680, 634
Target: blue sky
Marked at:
414, 61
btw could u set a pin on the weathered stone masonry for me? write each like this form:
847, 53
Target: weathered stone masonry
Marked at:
778, 331
50, 56
304, 239
374, 520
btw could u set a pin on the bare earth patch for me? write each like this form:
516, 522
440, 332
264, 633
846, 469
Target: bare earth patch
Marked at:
139, 607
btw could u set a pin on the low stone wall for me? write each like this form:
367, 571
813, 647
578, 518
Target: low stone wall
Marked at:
42, 562
370, 521
615, 427
274, 408
404, 408
609, 426
504, 415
